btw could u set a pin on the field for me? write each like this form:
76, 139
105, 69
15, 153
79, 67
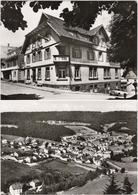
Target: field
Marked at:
27, 125
62, 167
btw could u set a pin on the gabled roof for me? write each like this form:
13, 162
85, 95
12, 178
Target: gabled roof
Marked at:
58, 26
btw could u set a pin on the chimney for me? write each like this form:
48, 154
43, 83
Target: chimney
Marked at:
8, 44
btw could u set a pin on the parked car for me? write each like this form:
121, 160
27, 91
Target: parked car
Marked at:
40, 83
118, 93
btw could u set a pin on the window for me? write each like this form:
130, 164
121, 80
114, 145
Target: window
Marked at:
47, 53
62, 50
28, 59
39, 74
90, 55
28, 48
96, 40
107, 74
77, 72
33, 45
28, 74
39, 43
93, 73
76, 53
103, 42
62, 72
116, 73
47, 73
34, 56
39, 56
47, 38
14, 73
100, 56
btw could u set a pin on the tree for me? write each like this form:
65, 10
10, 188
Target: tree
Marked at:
11, 13
123, 26
112, 188
127, 186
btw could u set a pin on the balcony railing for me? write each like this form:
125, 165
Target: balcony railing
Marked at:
114, 64
60, 58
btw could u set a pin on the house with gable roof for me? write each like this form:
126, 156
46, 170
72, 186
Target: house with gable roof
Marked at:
69, 57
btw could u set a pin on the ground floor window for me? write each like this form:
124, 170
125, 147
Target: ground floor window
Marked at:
116, 73
47, 73
39, 74
107, 73
93, 73
77, 72
28, 74
14, 74
62, 72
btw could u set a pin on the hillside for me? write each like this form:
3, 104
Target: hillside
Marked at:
27, 126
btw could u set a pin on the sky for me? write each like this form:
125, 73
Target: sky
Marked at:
17, 38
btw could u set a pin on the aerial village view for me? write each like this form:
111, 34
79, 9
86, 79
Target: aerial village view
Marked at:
64, 53
69, 153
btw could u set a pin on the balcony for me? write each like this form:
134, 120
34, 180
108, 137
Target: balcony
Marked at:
60, 58
116, 64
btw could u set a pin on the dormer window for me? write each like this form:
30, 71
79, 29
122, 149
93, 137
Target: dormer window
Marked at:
47, 38
96, 40
28, 48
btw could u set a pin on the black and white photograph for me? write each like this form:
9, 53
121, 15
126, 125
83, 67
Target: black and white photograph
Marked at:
67, 50
70, 151
79, 60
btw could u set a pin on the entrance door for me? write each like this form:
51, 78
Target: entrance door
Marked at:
34, 75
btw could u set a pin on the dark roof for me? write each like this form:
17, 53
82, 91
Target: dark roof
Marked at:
58, 25
62, 30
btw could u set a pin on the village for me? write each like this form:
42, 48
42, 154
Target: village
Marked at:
89, 147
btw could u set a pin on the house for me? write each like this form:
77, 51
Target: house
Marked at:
12, 69
16, 189
67, 57
3, 55
34, 184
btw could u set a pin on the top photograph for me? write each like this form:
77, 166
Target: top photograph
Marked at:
68, 50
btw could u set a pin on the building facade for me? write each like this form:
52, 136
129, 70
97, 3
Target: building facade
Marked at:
67, 57
12, 69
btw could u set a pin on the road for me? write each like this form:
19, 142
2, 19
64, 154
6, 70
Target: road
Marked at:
18, 91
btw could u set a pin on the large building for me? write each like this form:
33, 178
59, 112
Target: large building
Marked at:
67, 57
3, 56
12, 68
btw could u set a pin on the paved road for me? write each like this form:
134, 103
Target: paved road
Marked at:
22, 91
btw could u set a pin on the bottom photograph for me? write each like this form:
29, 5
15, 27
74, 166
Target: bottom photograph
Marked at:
69, 152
